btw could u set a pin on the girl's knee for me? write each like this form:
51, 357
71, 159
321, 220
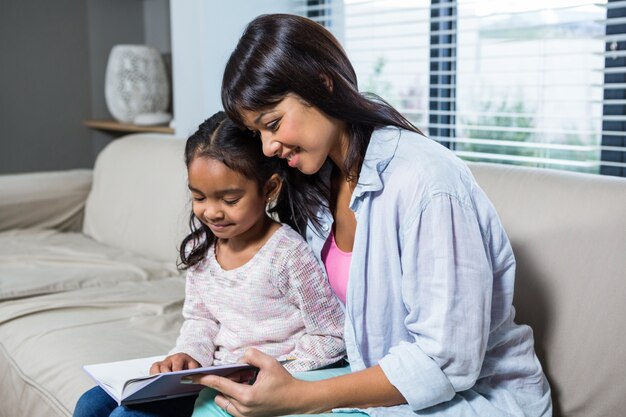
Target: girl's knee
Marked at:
94, 403
121, 412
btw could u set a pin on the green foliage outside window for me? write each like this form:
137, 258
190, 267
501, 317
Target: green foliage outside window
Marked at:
520, 128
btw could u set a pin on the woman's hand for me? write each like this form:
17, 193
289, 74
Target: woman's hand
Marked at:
175, 362
275, 391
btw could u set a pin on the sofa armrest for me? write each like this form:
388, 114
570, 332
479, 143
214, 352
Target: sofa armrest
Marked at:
44, 200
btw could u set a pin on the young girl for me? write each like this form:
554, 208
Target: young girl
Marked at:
251, 281
429, 283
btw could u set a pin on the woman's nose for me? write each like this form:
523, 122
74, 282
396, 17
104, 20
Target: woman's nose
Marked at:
270, 147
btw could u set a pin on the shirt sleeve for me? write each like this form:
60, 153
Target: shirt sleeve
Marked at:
305, 285
446, 288
199, 328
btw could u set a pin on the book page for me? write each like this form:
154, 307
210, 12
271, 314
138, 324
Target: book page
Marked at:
115, 374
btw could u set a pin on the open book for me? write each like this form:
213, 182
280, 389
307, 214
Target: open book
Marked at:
129, 382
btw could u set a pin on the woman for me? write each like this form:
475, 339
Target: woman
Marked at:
430, 271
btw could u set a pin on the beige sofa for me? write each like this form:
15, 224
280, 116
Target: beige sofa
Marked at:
87, 273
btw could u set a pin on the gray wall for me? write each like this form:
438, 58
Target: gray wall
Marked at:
52, 63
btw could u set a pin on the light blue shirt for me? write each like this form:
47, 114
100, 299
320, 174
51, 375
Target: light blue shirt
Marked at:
430, 291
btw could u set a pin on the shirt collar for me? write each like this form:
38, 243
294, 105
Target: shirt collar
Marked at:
380, 151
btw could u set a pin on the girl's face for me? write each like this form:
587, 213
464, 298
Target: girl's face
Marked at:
300, 133
230, 204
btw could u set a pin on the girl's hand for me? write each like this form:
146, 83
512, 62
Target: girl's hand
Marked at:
275, 391
175, 362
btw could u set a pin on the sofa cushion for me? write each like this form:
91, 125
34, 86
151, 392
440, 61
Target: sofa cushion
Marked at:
139, 200
568, 233
45, 341
35, 262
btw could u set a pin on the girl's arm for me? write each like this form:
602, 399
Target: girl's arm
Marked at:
304, 284
200, 327
276, 392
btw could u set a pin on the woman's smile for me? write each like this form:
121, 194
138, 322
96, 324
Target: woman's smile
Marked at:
293, 158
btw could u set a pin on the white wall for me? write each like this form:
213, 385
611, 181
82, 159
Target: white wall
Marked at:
204, 33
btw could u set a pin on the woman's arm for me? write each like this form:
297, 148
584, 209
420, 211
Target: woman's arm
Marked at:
367, 388
276, 392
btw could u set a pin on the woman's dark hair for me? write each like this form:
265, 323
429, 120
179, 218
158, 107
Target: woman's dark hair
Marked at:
220, 139
280, 54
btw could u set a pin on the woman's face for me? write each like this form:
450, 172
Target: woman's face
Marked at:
300, 133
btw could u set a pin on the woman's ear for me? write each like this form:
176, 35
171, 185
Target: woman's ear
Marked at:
272, 188
328, 82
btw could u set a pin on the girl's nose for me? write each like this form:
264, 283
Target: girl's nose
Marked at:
212, 212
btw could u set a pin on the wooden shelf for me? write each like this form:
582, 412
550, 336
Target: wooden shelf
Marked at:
112, 125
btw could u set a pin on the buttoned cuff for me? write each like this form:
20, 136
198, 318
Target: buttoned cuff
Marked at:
418, 378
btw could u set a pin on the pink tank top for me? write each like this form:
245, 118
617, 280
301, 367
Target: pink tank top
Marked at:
337, 264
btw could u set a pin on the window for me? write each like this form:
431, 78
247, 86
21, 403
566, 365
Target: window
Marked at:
539, 83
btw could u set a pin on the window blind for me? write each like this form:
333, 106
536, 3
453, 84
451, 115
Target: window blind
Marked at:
536, 82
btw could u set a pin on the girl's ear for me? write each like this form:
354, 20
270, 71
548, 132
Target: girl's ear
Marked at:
272, 188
